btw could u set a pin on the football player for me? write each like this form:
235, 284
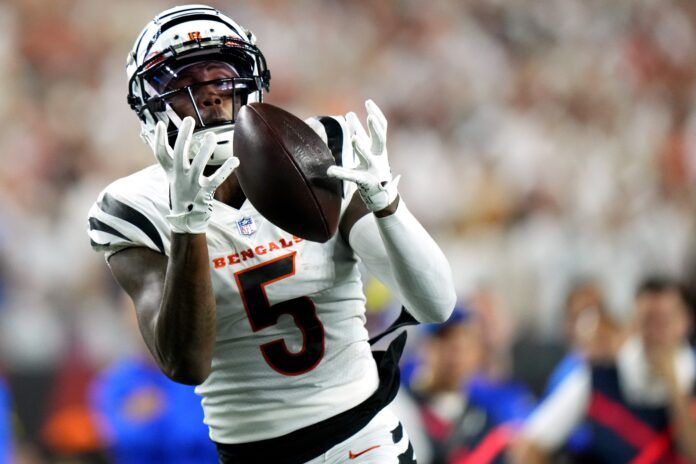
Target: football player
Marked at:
270, 327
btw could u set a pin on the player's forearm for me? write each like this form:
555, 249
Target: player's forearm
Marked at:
684, 424
185, 326
419, 266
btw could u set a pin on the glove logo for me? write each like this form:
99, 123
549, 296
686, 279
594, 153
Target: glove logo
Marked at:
246, 226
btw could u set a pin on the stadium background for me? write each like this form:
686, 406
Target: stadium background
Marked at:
539, 142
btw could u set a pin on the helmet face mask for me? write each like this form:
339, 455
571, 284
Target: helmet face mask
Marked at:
212, 92
194, 61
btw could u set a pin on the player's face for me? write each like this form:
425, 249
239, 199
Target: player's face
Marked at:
213, 101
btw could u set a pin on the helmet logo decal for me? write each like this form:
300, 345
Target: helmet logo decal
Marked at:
194, 35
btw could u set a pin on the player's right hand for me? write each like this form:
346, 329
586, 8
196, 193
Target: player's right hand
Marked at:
190, 193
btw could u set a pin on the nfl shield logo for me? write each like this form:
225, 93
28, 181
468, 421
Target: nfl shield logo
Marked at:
246, 226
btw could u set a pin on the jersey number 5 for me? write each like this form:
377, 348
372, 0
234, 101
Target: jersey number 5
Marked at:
251, 283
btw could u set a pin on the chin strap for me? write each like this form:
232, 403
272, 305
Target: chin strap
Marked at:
224, 148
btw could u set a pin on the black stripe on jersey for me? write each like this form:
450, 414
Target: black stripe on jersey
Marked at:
96, 224
405, 319
334, 136
397, 433
112, 206
407, 456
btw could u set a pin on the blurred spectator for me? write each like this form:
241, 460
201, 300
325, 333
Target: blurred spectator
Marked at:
144, 417
639, 403
69, 432
496, 329
147, 418
592, 336
467, 415
590, 330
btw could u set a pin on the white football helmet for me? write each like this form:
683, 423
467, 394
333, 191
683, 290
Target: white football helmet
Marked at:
194, 61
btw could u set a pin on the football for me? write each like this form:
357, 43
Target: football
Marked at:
282, 172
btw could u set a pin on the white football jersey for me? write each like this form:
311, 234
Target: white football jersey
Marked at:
291, 346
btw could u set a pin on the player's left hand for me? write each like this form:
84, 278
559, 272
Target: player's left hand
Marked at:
377, 187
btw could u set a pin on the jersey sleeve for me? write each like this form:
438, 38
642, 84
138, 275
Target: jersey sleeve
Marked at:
128, 215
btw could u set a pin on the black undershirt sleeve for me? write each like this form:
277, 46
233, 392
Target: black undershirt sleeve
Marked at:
355, 211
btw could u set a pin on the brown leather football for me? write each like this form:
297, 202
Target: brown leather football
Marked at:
282, 172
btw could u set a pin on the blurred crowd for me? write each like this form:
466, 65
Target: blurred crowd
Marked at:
549, 146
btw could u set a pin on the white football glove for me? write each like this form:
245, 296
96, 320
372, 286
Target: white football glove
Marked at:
373, 175
190, 193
